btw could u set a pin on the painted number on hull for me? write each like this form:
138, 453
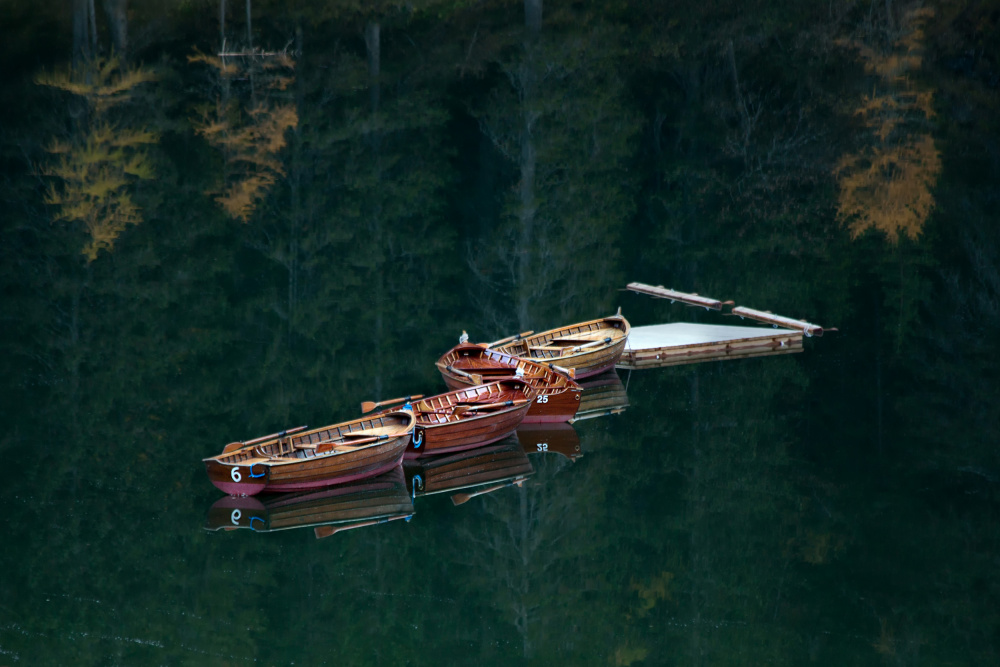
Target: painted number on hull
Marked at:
235, 474
543, 399
543, 446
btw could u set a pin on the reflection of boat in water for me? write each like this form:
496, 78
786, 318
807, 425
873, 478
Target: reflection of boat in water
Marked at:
555, 438
603, 394
475, 472
557, 396
330, 455
588, 348
329, 510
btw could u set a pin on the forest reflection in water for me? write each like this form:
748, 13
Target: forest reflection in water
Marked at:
200, 244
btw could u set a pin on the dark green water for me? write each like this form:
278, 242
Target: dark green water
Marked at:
196, 254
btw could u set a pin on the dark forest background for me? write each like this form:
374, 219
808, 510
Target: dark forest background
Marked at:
221, 218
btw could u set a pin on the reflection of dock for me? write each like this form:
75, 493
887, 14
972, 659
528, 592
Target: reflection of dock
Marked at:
557, 438
602, 395
330, 510
475, 471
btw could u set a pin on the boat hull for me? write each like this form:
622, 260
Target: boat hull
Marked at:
307, 474
326, 456
466, 434
445, 423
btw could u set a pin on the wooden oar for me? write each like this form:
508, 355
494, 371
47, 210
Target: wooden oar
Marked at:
368, 406
568, 372
330, 444
327, 531
509, 338
462, 409
475, 378
462, 498
577, 348
280, 434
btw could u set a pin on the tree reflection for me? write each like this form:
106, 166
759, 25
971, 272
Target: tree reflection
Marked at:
97, 166
563, 121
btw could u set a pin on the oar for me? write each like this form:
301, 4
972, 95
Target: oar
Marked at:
568, 372
577, 348
462, 498
474, 378
280, 434
462, 409
368, 406
509, 338
327, 445
327, 531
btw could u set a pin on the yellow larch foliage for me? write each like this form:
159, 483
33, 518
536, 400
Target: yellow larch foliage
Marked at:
104, 82
95, 169
250, 141
94, 180
888, 185
251, 152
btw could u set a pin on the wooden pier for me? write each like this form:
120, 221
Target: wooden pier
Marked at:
686, 343
679, 343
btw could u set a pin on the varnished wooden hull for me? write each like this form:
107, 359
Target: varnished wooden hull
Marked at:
558, 346
368, 501
441, 428
293, 463
557, 399
486, 468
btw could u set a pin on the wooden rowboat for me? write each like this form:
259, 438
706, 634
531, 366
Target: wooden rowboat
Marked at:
328, 510
468, 418
472, 473
588, 348
321, 457
557, 399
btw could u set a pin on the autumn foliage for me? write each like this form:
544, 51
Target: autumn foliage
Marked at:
888, 184
96, 167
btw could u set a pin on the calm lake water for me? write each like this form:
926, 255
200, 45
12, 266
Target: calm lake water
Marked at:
201, 248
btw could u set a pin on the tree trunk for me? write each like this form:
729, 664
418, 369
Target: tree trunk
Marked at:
533, 15
373, 48
93, 26
117, 13
81, 31
527, 207
295, 217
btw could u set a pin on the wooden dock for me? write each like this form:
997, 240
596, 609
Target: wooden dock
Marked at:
687, 343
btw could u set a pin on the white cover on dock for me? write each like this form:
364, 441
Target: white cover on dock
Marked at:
678, 334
